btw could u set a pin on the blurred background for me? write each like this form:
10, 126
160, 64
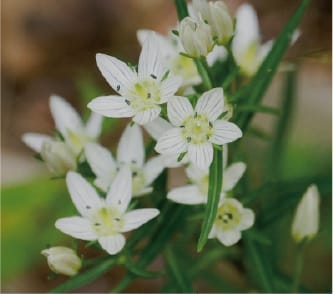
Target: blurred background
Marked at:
50, 46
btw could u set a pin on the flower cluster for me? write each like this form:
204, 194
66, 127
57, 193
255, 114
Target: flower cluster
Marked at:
166, 95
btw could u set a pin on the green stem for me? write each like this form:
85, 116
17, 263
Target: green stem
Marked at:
226, 83
298, 268
203, 70
214, 192
182, 10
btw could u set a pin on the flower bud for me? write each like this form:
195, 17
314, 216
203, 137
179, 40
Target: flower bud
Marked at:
195, 36
306, 220
59, 158
216, 15
62, 260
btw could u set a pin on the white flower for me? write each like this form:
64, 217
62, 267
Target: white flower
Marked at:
246, 47
216, 15
196, 130
62, 260
179, 65
197, 191
142, 92
131, 152
102, 219
306, 220
195, 36
58, 157
231, 219
75, 135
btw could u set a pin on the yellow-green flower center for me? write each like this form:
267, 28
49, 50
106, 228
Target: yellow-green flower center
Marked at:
184, 67
228, 216
197, 129
145, 94
107, 221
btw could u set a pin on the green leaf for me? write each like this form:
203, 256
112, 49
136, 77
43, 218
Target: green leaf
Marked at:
259, 266
264, 75
259, 108
214, 191
86, 277
140, 272
204, 72
179, 274
182, 10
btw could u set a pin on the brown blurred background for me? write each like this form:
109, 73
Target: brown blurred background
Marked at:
50, 46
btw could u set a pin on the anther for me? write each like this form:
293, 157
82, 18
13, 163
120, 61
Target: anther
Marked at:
128, 102
97, 224
118, 87
117, 219
88, 207
149, 95
182, 126
188, 139
210, 124
119, 202
133, 161
134, 174
195, 114
153, 76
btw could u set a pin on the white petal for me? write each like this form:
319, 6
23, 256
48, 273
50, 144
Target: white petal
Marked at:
150, 59
144, 117
169, 87
189, 194
165, 44
219, 53
171, 142
35, 141
77, 227
157, 127
211, 103
247, 219
232, 175
112, 244
111, 106
264, 50
152, 169
120, 192
103, 183
179, 108
94, 125
100, 160
201, 154
117, 73
137, 218
171, 160
213, 232
64, 115
225, 132
228, 238
194, 173
84, 196
130, 147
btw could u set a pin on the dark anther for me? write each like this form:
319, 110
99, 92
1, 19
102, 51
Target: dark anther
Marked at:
195, 114
118, 87
134, 174
182, 126
220, 216
97, 224
117, 219
117, 169
88, 207
188, 139
133, 161
207, 137
128, 102
153, 76
149, 95
119, 202
210, 124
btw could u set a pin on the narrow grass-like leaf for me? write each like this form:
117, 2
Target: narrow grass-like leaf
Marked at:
259, 108
86, 277
179, 274
204, 73
264, 75
214, 191
140, 272
182, 10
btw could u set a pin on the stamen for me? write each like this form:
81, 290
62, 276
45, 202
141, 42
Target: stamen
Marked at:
182, 126
153, 76
97, 224
134, 174
88, 207
210, 124
149, 95
207, 137
117, 219
133, 161
118, 87
195, 114
188, 139
128, 102
119, 202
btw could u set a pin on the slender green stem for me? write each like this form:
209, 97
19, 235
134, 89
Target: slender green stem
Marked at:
204, 73
298, 268
182, 10
214, 192
226, 83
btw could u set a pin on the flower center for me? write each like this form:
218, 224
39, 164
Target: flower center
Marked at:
197, 129
184, 67
228, 216
145, 94
107, 221
138, 179
76, 140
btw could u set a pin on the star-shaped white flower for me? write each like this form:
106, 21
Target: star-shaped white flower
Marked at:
130, 152
61, 156
102, 219
197, 191
196, 130
231, 219
142, 92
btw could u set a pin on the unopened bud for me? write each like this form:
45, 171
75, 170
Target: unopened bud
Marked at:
62, 260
